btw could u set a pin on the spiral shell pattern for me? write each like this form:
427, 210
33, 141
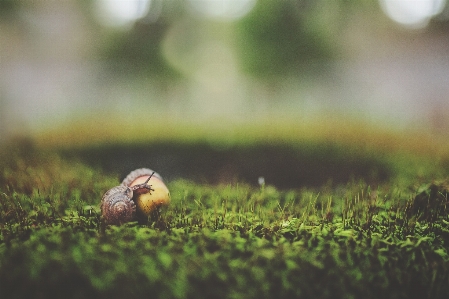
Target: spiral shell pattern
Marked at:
117, 206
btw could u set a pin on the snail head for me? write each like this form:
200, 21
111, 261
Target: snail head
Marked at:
144, 187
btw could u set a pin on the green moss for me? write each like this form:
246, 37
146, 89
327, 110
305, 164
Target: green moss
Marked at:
385, 238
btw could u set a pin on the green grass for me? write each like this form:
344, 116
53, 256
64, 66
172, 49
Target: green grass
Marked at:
373, 222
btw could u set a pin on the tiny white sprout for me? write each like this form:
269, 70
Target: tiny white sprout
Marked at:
261, 181
289, 223
285, 223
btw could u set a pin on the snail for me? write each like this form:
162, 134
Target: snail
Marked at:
135, 197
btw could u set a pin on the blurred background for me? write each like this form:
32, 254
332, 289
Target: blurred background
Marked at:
381, 61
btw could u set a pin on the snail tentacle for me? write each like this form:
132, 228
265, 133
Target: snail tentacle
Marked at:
144, 185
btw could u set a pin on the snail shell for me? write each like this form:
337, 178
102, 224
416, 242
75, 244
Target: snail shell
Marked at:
117, 206
147, 200
141, 172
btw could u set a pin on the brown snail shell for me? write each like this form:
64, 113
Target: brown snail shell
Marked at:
117, 206
150, 199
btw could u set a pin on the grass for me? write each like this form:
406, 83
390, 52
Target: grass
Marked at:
372, 222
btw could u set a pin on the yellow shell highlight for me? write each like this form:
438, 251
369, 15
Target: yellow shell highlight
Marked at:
148, 202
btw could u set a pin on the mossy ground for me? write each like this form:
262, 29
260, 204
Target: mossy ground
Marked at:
362, 214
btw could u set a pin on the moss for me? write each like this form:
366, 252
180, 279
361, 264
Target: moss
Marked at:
348, 238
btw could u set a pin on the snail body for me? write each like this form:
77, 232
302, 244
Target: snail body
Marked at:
135, 197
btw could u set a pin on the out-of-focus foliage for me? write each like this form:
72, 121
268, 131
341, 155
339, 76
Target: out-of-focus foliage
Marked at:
283, 37
291, 37
137, 51
7, 6
275, 39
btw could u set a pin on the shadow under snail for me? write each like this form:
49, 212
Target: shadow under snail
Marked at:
141, 192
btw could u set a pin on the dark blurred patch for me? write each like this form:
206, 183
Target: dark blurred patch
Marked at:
431, 202
8, 7
283, 166
138, 51
279, 38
